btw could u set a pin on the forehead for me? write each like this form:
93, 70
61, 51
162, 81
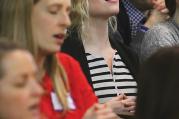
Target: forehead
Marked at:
18, 61
56, 2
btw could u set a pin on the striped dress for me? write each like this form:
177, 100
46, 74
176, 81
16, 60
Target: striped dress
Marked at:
108, 84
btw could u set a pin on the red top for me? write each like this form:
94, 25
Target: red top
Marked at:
81, 92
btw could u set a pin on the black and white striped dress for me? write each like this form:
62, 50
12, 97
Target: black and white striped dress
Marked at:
108, 84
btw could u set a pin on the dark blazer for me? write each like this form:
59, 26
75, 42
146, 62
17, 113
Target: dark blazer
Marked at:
74, 47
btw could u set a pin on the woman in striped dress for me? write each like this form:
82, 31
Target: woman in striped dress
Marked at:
109, 66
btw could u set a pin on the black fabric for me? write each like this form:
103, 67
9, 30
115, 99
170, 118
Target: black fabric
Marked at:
137, 41
124, 24
74, 47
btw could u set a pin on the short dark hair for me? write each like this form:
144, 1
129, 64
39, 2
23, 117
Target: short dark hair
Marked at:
158, 83
171, 5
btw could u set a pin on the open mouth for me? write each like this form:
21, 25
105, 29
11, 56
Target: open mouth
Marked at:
59, 36
112, 1
35, 110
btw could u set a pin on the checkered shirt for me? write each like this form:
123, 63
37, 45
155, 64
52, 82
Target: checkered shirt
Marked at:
135, 17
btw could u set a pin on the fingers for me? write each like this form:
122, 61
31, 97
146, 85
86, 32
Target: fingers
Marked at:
109, 116
129, 105
120, 97
124, 96
104, 112
131, 108
164, 11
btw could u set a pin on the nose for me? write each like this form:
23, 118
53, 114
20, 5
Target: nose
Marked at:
65, 20
37, 89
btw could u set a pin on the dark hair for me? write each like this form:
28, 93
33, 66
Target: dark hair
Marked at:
158, 81
35, 1
171, 5
6, 47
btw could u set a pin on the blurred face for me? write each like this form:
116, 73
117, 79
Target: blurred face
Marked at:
50, 19
177, 1
103, 8
19, 91
143, 5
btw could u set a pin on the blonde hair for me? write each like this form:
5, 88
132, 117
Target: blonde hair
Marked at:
112, 22
16, 25
82, 11
79, 12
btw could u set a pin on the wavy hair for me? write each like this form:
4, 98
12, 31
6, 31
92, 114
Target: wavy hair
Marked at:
80, 15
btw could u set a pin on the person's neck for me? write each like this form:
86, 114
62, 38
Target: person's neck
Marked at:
97, 33
176, 16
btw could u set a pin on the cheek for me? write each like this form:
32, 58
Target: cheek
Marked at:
94, 10
43, 31
43, 25
94, 5
48, 21
14, 96
11, 100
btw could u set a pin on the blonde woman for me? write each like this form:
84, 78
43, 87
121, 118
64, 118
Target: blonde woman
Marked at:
40, 26
109, 66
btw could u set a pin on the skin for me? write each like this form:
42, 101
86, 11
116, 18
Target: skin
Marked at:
100, 111
50, 19
99, 8
144, 5
19, 90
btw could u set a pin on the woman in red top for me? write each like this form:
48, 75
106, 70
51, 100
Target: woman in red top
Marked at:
40, 26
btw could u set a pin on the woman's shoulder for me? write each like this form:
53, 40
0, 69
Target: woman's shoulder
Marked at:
67, 60
64, 57
161, 28
161, 34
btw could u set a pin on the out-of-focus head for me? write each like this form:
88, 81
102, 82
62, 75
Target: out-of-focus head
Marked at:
103, 8
158, 85
19, 90
40, 25
171, 6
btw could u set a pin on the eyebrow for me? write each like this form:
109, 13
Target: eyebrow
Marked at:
55, 5
59, 6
